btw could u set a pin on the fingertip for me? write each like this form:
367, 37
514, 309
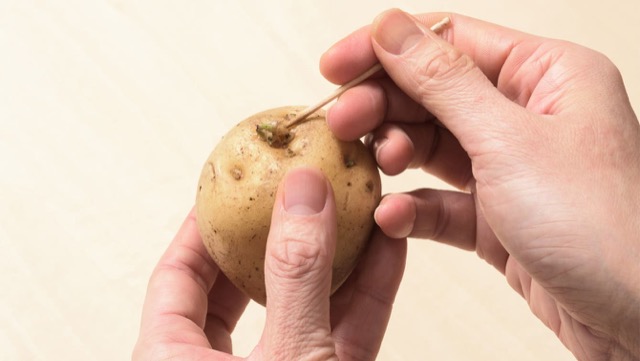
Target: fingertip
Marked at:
396, 215
357, 112
328, 66
393, 149
338, 120
348, 57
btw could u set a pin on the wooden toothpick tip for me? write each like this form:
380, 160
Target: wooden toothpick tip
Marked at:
436, 28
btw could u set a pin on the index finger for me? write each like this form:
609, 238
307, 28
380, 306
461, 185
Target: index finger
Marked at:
181, 281
188, 298
489, 45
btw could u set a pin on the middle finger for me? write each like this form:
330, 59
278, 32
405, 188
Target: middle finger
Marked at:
428, 146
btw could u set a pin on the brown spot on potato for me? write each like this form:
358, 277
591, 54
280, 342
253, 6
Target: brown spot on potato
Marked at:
236, 173
369, 186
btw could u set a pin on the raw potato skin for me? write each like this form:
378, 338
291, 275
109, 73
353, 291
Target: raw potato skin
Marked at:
238, 185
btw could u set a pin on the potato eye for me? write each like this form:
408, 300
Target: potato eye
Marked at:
236, 173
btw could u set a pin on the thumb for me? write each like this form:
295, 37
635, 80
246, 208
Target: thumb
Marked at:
441, 78
298, 261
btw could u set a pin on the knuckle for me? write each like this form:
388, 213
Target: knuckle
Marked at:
591, 63
443, 64
292, 258
610, 71
443, 215
604, 63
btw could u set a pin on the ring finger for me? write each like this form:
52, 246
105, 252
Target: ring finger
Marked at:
428, 146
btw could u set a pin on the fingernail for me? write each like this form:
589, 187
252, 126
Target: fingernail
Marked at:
378, 213
378, 144
396, 32
305, 192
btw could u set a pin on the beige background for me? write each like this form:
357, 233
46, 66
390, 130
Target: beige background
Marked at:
109, 108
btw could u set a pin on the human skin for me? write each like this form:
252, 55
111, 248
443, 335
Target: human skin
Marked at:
191, 308
540, 139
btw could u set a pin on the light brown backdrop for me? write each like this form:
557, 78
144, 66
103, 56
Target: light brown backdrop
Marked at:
108, 109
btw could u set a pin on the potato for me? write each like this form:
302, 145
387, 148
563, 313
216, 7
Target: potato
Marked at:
239, 180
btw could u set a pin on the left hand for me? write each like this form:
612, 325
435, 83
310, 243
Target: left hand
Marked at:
191, 308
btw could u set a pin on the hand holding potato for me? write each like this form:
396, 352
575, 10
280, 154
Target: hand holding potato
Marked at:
191, 308
541, 140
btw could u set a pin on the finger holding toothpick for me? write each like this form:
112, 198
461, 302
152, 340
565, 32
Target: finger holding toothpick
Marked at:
436, 28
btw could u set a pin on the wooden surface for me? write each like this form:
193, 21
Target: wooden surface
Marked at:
109, 108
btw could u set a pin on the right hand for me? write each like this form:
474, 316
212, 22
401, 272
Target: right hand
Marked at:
540, 138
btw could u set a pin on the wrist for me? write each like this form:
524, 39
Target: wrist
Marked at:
620, 270
620, 353
626, 331
628, 334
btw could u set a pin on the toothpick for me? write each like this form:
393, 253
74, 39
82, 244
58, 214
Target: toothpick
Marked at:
436, 28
